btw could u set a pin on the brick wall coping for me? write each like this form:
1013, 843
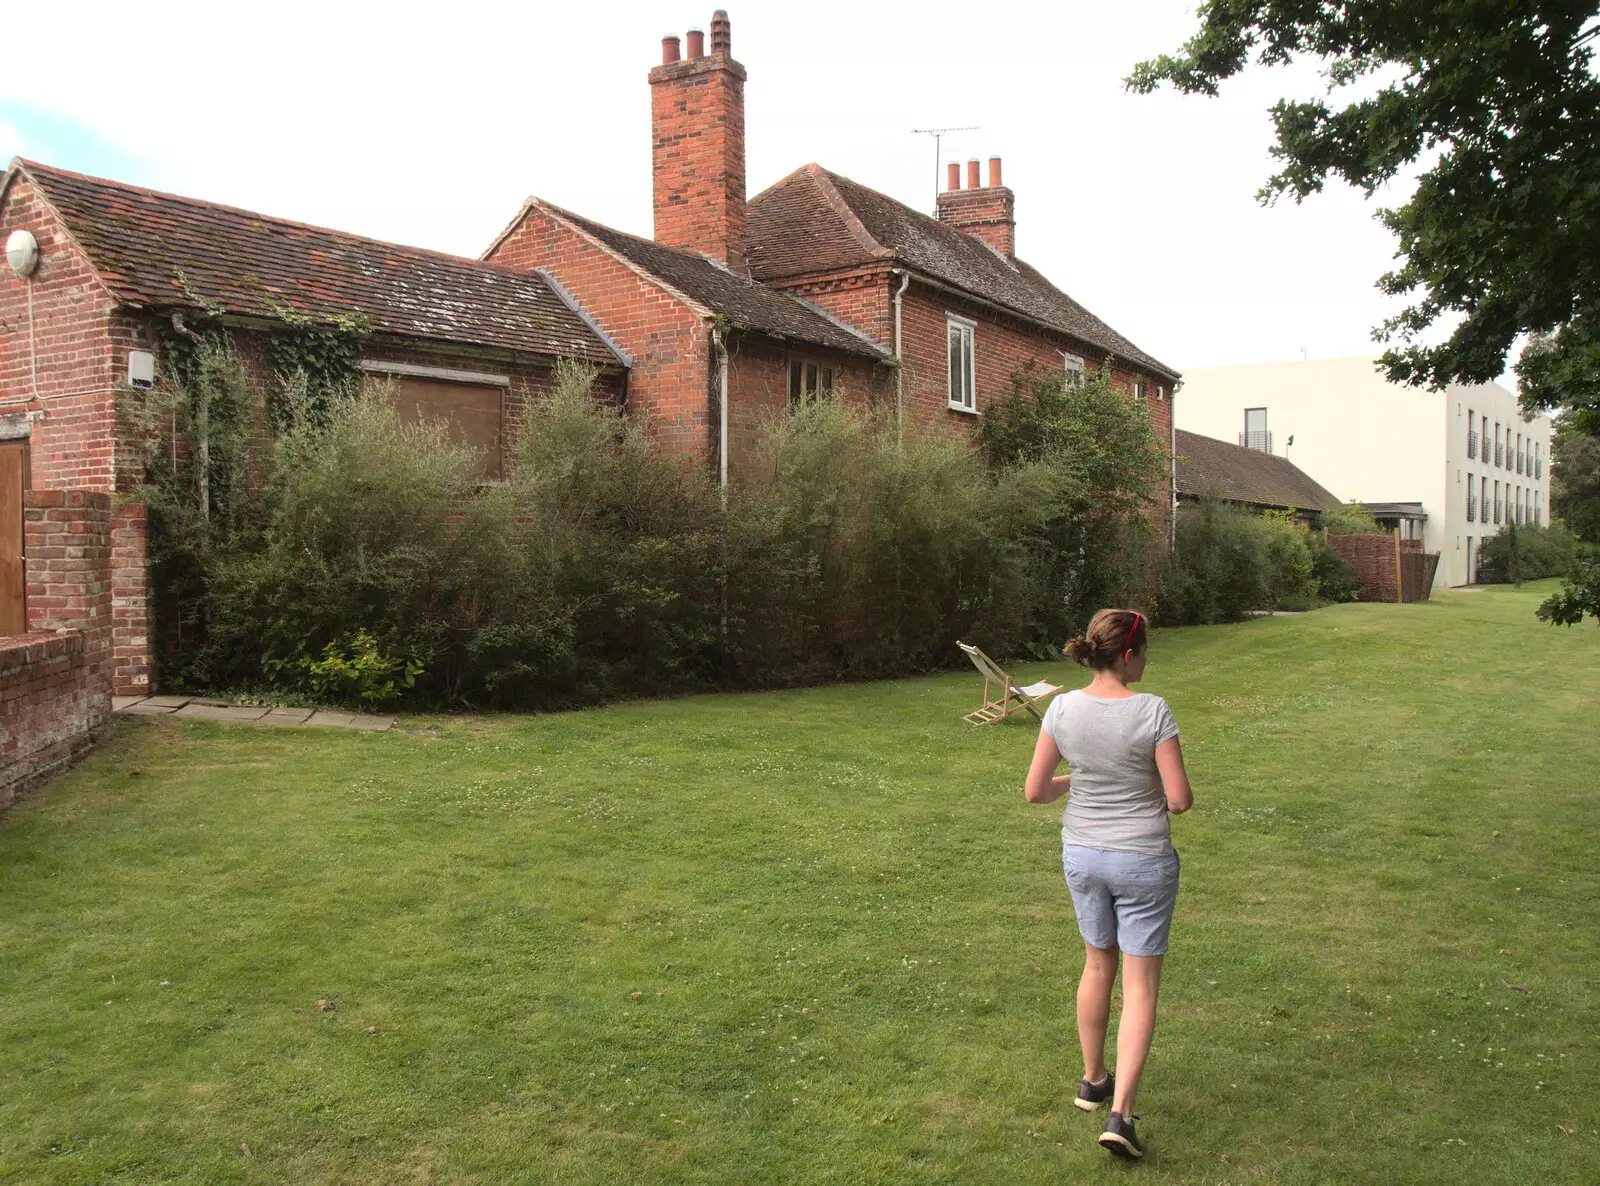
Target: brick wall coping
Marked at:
23, 650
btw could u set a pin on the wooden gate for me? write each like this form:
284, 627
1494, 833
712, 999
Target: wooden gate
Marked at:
13, 577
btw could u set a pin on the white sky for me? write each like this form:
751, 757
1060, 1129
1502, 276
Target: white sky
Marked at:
428, 124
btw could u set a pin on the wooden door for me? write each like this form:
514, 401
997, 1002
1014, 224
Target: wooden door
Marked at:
13, 579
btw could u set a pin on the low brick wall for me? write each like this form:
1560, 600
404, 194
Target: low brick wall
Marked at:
1372, 559
131, 673
55, 681
51, 712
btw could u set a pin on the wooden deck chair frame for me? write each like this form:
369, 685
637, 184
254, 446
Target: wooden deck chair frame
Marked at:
1012, 698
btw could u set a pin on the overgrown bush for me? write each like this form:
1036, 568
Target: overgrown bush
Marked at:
1525, 552
1229, 562
1334, 578
369, 555
1350, 519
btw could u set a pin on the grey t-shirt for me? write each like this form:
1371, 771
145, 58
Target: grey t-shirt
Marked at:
1116, 801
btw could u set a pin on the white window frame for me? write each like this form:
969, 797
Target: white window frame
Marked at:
969, 332
1072, 364
1140, 389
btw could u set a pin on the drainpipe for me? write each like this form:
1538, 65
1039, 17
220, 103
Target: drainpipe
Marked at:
1172, 463
899, 363
721, 347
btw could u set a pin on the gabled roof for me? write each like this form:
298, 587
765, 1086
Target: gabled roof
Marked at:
715, 289
816, 221
156, 250
1232, 472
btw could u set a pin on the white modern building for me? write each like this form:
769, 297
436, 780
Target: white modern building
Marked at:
1451, 466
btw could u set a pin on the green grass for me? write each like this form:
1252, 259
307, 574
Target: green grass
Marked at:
854, 954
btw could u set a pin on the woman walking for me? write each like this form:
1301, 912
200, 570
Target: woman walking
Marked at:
1116, 847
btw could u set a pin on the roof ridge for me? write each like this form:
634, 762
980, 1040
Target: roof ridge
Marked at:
203, 204
579, 223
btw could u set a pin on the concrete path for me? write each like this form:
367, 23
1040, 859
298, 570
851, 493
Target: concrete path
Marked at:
195, 709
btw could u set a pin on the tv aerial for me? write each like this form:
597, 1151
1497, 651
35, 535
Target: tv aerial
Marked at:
938, 135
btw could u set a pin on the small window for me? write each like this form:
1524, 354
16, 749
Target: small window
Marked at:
1073, 365
963, 375
1255, 435
809, 380
1139, 386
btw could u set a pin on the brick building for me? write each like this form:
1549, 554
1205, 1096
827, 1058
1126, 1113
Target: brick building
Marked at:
735, 310
118, 266
817, 283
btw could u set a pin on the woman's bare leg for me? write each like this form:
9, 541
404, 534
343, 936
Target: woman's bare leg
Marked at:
1094, 1007
1141, 985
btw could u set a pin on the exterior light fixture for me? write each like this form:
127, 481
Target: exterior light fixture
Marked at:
22, 253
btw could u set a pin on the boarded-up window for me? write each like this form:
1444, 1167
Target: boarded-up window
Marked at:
474, 412
13, 581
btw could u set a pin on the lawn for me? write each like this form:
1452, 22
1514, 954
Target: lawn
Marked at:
818, 935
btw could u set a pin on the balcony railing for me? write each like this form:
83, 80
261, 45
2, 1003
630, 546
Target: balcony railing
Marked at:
1538, 468
1261, 442
1497, 510
1472, 444
1521, 461
1500, 454
1472, 507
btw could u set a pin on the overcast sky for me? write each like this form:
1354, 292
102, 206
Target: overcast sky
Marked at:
428, 124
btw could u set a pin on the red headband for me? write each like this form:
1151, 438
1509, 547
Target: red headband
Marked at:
1132, 630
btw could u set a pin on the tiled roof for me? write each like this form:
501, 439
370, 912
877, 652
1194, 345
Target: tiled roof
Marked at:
1209, 466
817, 221
148, 246
743, 301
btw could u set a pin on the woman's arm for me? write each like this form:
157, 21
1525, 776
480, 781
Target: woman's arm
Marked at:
1042, 785
1174, 779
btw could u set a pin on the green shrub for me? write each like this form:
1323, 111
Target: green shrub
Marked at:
1335, 579
1579, 595
1350, 519
1525, 552
1229, 562
353, 670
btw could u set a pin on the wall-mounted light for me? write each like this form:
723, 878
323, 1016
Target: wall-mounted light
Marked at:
22, 253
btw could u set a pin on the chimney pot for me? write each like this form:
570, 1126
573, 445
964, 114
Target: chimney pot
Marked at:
721, 32
994, 172
669, 49
697, 44
972, 175
954, 176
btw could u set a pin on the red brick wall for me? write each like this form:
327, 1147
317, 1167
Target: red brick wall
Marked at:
670, 343
697, 155
55, 681
50, 712
132, 668
80, 349
758, 390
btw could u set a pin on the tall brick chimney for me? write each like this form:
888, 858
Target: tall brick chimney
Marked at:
697, 154
988, 211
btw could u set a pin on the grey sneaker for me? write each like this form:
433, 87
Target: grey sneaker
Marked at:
1118, 1137
1092, 1096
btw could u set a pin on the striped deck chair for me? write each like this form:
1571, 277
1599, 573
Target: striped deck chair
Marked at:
1012, 697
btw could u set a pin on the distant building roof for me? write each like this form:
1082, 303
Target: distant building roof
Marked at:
1396, 510
1232, 472
817, 221
745, 302
156, 250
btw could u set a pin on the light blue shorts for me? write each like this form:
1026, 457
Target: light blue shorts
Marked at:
1122, 899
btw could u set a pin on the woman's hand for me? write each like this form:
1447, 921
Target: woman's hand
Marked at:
1043, 786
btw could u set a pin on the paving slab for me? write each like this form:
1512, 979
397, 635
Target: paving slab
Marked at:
376, 724
286, 716
149, 708
325, 716
119, 703
220, 712
167, 701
